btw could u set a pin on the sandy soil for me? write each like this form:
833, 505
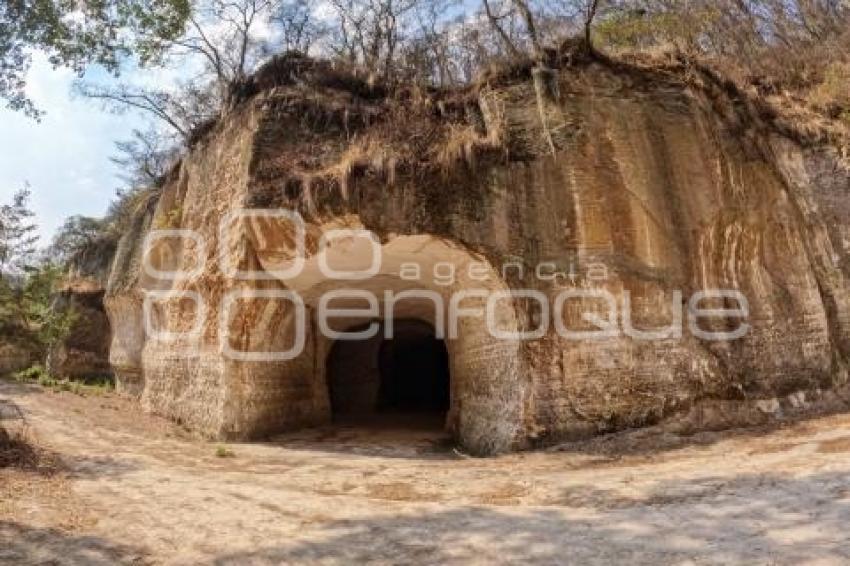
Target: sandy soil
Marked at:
137, 489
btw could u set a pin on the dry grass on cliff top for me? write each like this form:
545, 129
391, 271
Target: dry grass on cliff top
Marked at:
416, 130
819, 114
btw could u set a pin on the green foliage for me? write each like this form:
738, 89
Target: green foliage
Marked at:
17, 233
27, 312
224, 452
34, 374
51, 323
75, 34
38, 374
27, 315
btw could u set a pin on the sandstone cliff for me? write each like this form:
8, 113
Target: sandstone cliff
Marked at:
665, 180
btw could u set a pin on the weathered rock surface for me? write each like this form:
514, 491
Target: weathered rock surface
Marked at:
14, 357
84, 353
633, 182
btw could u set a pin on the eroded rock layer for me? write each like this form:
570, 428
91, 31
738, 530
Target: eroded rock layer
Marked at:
631, 182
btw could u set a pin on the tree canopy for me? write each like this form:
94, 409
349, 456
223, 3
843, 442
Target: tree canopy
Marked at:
76, 34
17, 234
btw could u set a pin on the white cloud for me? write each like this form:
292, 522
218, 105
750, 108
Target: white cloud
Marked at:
65, 158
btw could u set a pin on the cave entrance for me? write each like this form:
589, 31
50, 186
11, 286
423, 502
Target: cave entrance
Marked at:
401, 381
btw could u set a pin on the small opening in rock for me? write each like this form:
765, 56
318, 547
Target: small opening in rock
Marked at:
403, 380
414, 370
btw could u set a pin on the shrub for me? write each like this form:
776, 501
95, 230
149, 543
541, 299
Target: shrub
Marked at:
28, 314
224, 452
33, 374
96, 385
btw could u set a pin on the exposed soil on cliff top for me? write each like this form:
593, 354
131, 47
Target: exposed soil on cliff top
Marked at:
132, 488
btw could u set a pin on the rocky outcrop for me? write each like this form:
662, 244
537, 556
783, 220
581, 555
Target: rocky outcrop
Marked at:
642, 186
14, 357
84, 353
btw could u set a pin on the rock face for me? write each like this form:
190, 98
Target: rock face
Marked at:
85, 352
592, 184
14, 358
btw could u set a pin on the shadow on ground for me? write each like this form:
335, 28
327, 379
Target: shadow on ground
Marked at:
415, 440
21, 544
762, 519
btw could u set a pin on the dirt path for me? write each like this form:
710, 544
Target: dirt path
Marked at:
140, 490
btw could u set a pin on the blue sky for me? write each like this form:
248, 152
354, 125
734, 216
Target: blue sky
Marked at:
65, 158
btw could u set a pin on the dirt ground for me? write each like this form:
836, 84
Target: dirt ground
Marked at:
132, 488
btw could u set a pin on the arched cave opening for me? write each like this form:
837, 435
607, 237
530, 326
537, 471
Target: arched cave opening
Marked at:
402, 380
